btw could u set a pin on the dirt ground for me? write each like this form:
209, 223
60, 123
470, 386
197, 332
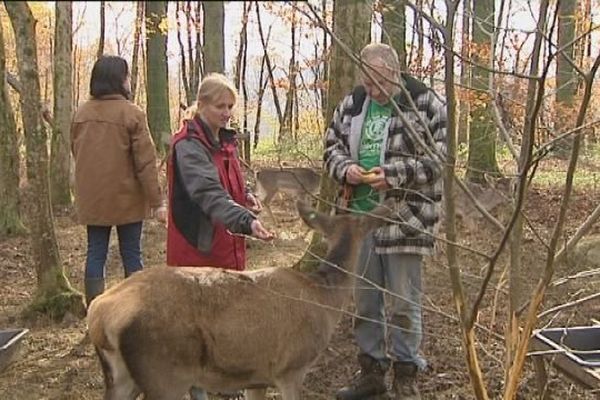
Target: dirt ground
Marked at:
55, 362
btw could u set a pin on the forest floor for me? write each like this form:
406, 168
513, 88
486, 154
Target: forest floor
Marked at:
56, 362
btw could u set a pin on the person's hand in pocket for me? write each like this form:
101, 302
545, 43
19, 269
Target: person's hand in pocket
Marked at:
160, 214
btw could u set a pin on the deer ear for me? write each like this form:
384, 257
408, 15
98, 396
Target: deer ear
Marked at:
311, 217
385, 209
382, 212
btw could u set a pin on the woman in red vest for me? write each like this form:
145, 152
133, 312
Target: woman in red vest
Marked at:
210, 208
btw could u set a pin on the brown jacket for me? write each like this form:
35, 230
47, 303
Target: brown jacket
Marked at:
116, 178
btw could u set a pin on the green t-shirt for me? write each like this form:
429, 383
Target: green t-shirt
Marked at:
364, 197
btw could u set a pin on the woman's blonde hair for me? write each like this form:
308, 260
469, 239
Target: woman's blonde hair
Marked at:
212, 87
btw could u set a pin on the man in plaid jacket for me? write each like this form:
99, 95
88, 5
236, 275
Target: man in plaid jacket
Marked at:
388, 139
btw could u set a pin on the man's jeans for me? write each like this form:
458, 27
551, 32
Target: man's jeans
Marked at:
399, 274
129, 246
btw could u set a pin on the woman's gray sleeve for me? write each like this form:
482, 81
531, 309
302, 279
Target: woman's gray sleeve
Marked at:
201, 182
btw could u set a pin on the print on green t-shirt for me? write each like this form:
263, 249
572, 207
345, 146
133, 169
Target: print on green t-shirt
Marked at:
364, 197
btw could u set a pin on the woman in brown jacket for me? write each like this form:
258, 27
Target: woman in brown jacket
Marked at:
116, 178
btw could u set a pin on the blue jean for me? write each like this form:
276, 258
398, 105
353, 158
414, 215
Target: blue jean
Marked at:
399, 274
130, 247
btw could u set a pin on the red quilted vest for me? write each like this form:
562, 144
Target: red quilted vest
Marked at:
228, 250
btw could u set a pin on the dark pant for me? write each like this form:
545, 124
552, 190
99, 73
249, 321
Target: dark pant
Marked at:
399, 274
130, 247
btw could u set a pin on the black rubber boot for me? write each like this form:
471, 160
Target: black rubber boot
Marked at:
198, 394
239, 395
93, 288
405, 381
370, 381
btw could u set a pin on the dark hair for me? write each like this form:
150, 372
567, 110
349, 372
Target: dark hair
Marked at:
108, 76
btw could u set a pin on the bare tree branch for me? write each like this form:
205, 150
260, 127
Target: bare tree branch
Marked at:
102, 29
568, 305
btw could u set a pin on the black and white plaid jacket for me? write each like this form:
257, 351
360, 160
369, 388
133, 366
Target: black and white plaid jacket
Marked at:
414, 175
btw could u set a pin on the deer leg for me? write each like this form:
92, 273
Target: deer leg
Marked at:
165, 392
291, 387
121, 392
290, 392
117, 380
271, 215
305, 197
256, 394
266, 203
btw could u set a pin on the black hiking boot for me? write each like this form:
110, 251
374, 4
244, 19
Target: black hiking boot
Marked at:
405, 381
370, 381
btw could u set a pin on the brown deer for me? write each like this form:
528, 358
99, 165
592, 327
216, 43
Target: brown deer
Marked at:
492, 196
163, 330
297, 181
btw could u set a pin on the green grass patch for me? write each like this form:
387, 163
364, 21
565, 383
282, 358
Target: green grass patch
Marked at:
305, 148
556, 178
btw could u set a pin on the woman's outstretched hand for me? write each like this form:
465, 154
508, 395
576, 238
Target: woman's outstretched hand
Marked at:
259, 231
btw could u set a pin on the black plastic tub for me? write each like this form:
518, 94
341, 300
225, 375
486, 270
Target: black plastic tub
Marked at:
9, 345
581, 343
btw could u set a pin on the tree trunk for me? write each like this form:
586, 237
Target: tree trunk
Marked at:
352, 25
325, 62
435, 46
237, 69
468, 334
566, 82
197, 69
296, 126
482, 132
269, 66
214, 53
183, 68
465, 76
102, 29
139, 20
10, 220
241, 63
262, 86
244, 67
157, 82
285, 129
420, 29
54, 293
60, 161
394, 27
517, 295
76, 75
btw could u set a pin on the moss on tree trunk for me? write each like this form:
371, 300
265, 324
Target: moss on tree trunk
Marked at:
55, 297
